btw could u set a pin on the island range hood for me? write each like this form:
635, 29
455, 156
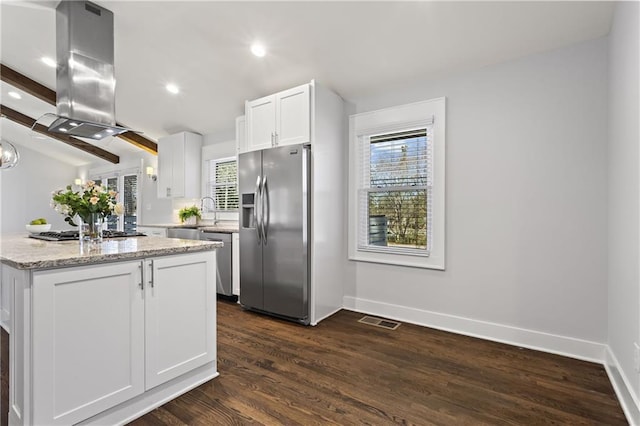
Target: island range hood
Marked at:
86, 82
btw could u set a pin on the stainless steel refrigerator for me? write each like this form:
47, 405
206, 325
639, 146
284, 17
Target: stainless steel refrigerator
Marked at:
274, 231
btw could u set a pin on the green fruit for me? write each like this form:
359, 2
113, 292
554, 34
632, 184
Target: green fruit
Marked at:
40, 221
43, 221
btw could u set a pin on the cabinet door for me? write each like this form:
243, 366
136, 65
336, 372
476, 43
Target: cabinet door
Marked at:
180, 315
241, 134
261, 115
293, 116
166, 153
178, 167
88, 340
190, 166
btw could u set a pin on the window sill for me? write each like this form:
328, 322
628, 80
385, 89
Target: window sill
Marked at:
431, 262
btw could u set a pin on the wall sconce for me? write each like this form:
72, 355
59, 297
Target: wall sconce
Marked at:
78, 181
150, 174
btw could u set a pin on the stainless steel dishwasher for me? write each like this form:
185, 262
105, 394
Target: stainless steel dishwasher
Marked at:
223, 261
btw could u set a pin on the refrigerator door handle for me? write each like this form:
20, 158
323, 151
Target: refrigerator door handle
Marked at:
256, 206
265, 203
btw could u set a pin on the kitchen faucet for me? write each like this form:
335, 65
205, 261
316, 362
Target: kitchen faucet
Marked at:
215, 212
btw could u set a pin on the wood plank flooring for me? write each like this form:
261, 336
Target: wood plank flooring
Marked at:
344, 372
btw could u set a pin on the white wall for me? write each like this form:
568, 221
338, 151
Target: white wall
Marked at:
26, 190
526, 243
624, 192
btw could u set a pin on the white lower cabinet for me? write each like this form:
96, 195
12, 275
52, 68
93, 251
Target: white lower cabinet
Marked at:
88, 340
153, 231
104, 334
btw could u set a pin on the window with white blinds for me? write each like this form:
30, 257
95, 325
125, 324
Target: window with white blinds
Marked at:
395, 192
222, 184
396, 182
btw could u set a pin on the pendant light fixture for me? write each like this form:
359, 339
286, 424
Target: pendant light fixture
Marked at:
8, 155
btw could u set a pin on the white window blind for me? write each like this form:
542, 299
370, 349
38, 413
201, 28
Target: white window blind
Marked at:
223, 183
395, 191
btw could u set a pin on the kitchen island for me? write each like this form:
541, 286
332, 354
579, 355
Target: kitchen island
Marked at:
103, 334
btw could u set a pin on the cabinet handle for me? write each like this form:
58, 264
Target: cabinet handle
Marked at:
271, 138
141, 283
168, 192
275, 138
151, 274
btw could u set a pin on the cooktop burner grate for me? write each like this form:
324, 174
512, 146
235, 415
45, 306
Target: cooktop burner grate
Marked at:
74, 235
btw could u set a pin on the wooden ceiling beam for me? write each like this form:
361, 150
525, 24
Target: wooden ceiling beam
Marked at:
32, 87
27, 121
24, 83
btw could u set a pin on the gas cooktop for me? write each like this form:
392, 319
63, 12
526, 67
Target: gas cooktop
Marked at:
74, 235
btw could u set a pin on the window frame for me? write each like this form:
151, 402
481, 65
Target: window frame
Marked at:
212, 162
362, 126
119, 175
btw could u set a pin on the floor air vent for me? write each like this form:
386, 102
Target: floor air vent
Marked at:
379, 322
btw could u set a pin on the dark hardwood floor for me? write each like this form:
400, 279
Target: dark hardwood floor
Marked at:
344, 372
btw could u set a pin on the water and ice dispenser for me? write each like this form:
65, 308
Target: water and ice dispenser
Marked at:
248, 209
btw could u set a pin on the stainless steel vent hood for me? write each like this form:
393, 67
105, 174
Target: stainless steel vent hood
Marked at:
85, 75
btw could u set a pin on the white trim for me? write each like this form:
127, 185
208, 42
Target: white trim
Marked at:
624, 391
400, 117
552, 343
208, 183
317, 320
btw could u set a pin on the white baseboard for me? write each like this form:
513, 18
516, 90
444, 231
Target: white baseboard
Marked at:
628, 400
326, 316
560, 345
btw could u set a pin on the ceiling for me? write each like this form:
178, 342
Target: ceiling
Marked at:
356, 48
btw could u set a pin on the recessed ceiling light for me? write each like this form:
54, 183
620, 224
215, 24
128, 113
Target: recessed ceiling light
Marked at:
15, 95
172, 88
258, 50
109, 131
62, 129
49, 62
73, 124
98, 135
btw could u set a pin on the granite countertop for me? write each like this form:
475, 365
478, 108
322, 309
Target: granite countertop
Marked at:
23, 252
220, 227
224, 227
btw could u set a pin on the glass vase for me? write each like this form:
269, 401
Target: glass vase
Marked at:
90, 229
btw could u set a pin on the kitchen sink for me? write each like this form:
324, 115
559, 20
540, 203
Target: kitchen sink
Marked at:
184, 233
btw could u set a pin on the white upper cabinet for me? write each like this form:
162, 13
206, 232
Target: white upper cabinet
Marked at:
179, 165
277, 120
293, 116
